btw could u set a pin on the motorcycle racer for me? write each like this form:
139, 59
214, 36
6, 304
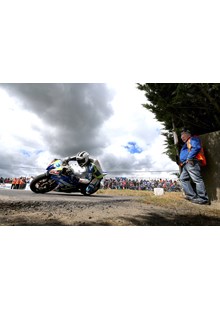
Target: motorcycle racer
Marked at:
91, 174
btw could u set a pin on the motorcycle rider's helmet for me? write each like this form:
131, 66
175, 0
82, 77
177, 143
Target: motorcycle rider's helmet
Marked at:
82, 158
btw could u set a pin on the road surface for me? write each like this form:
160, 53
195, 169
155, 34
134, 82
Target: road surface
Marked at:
23, 207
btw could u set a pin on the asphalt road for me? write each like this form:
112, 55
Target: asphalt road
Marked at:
27, 195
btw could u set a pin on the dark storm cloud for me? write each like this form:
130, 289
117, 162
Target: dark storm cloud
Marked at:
72, 118
74, 113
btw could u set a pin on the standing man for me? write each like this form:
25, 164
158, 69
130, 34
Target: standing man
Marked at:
17, 182
190, 157
13, 183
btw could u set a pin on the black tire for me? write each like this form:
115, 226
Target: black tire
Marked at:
42, 184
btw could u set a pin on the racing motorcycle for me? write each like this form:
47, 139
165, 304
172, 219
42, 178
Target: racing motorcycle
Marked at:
60, 177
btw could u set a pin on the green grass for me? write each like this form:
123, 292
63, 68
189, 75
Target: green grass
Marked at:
169, 199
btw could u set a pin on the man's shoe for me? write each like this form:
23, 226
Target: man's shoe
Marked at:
206, 202
200, 202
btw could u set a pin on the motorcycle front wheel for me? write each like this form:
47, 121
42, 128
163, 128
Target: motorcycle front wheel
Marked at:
42, 184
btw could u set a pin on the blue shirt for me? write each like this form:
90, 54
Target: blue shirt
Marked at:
185, 154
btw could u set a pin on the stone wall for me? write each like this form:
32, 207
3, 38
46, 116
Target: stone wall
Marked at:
211, 172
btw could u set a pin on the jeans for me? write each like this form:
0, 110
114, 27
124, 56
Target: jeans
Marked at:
193, 172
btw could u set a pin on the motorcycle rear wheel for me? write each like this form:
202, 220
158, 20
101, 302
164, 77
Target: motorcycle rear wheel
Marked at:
42, 184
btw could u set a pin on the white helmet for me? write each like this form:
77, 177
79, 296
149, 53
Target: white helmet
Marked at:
82, 158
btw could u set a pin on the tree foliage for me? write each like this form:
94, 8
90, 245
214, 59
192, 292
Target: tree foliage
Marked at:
195, 106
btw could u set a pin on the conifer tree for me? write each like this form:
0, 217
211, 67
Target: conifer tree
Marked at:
195, 106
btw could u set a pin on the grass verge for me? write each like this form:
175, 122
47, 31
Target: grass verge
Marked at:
169, 199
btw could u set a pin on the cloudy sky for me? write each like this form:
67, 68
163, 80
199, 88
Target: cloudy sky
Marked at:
43, 121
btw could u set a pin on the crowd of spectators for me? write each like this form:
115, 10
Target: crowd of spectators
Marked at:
112, 183
142, 184
5, 180
16, 183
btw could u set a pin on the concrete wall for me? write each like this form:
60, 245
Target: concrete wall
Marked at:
211, 172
